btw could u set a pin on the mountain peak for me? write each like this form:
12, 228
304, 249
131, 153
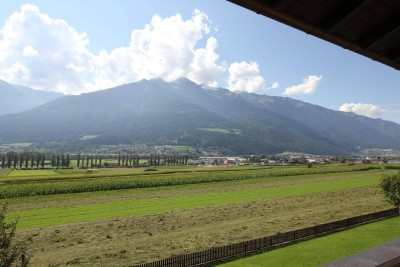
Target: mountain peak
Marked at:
3, 83
184, 80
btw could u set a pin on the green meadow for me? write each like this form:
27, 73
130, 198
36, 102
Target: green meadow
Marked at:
325, 249
173, 210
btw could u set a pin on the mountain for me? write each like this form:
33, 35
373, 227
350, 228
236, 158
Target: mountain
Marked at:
15, 98
184, 113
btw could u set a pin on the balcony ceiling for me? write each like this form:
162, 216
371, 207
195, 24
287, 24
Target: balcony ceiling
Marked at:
368, 27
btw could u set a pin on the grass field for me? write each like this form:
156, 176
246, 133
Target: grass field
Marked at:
135, 207
4, 172
322, 250
88, 137
221, 130
39, 172
114, 217
178, 148
16, 145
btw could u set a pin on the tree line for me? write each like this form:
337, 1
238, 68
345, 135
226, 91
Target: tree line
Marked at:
26, 160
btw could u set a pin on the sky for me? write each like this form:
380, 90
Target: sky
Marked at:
75, 47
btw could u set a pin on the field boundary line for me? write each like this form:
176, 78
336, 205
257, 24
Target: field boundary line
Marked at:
228, 252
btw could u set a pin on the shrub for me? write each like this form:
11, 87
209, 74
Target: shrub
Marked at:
12, 252
390, 185
150, 170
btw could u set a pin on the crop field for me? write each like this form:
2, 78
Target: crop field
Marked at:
119, 217
326, 249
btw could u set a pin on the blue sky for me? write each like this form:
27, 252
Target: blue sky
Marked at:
81, 46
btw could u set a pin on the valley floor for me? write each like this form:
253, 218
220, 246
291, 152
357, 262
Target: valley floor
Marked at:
130, 226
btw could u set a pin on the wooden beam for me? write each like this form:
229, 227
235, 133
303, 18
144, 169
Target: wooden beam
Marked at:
343, 11
380, 31
394, 55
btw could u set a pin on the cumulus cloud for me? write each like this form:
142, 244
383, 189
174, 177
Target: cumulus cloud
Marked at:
46, 53
29, 51
35, 49
244, 76
308, 86
368, 110
274, 85
204, 68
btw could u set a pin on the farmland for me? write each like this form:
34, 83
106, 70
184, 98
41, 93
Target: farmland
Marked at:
4, 172
127, 216
325, 249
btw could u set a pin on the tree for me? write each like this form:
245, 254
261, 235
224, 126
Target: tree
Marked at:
15, 160
390, 185
42, 161
26, 160
32, 160
9, 159
21, 161
3, 161
68, 161
38, 158
12, 252
78, 161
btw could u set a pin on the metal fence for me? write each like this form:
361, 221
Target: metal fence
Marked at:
214, 255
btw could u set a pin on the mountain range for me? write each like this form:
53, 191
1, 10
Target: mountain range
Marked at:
16, 98
185, 113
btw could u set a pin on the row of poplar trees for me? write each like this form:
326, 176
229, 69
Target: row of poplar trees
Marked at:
158, 160
41, 160
33, 160
152, 160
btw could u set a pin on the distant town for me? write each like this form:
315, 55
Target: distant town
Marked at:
49, 156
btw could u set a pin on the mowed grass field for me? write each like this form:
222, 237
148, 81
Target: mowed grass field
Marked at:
322, 250
121, 217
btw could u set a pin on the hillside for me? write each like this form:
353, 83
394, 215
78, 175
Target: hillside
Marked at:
183, 113
15, 98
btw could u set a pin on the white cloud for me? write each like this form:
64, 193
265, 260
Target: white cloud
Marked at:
203, 67
35, 49
274, 85
245, 77
46, 53
368, 110
165, 48
29, 51
308, 86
